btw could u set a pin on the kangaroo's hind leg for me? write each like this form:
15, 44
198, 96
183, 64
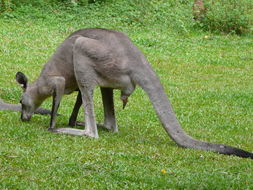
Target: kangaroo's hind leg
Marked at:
109, 113
86, 94
74, 114
86, 79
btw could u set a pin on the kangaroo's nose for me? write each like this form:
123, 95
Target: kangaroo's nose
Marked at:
25, 117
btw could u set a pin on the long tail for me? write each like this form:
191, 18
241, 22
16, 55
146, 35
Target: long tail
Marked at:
152, 86
17, 107
13, 107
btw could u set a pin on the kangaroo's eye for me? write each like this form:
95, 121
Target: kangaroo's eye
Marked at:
20, 101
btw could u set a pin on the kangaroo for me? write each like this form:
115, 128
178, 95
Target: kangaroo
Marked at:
17, 107
105, 58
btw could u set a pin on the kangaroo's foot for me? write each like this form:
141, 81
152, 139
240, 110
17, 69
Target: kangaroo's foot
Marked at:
99, 125
72, 131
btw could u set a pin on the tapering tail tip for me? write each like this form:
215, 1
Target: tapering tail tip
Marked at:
213, 147
241, 153
220, 148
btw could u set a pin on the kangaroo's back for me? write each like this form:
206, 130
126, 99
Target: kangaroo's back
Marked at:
118, 42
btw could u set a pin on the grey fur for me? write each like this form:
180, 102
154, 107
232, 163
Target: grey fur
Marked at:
17, 107
105, 58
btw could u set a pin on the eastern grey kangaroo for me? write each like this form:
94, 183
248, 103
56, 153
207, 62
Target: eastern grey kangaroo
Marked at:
105, 58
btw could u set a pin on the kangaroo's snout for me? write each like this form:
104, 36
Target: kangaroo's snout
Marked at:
25, 117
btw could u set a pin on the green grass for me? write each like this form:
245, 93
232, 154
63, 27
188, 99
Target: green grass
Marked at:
207, 77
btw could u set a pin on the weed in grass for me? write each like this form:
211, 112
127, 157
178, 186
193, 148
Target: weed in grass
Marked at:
228, 16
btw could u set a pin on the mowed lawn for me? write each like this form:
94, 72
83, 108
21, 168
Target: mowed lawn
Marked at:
208, 79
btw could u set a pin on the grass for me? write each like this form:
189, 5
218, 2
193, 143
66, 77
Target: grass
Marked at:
207, 77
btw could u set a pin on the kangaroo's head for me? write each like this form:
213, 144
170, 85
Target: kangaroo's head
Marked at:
29, 100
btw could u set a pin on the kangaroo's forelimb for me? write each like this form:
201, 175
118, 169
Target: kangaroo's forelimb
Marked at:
58, 86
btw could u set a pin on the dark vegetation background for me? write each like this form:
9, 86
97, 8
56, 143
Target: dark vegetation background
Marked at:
226, 16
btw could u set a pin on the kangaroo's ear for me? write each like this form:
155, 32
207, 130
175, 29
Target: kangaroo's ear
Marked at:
22, 79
